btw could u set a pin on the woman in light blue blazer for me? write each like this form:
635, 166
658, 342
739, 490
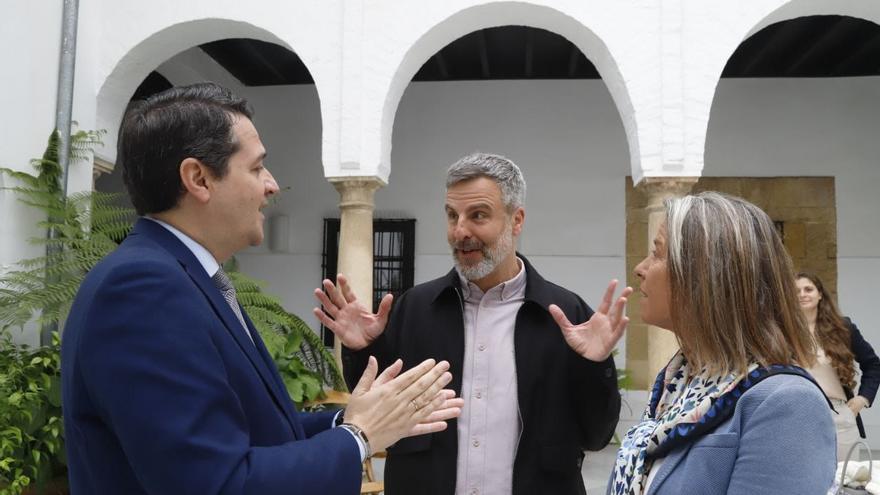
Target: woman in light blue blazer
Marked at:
733, 412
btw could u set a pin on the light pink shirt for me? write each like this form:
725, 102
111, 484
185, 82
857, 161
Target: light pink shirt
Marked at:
490, 423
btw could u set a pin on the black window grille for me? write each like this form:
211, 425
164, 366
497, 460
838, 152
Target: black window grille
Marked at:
394, 250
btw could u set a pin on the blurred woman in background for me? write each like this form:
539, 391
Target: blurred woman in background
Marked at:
839, 346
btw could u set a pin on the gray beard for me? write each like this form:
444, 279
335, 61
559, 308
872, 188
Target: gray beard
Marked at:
492, 257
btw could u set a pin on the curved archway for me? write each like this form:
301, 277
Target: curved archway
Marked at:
290, 121
787, 10
792, 9
803, 145
497, 14
117, 88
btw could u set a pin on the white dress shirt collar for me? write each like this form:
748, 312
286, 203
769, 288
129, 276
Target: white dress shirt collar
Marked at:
206, 259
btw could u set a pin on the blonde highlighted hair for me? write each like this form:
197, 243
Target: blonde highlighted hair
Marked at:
733, 296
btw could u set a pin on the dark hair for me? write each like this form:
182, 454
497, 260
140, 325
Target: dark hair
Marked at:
157, 134
832, 333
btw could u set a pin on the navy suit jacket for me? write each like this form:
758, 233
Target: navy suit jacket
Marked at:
869, 365
163, 391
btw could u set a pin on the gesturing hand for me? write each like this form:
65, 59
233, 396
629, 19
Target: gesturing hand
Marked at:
596, 338
354, 324
390, 407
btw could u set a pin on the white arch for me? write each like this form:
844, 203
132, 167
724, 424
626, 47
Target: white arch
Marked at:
151, 51
504, 13
792, 9
782, 10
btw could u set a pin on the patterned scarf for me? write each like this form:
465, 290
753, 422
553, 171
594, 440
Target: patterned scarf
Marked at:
684, 405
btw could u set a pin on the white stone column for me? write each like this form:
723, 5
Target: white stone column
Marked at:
355, 258
661, 342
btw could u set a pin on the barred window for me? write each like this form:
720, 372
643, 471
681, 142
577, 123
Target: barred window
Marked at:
394, 243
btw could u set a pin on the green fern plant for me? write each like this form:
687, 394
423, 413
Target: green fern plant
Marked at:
45, 285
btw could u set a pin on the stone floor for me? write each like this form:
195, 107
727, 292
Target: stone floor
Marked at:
597, 467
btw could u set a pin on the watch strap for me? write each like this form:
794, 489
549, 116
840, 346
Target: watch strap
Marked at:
359, 435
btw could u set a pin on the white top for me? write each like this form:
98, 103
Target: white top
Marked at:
655, 467
826, 376
490, 424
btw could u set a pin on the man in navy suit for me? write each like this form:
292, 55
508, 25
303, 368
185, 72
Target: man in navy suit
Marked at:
167, 386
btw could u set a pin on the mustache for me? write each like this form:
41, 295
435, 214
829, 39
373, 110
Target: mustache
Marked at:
467, 245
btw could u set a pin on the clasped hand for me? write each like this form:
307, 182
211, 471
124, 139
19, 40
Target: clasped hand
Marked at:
390, 407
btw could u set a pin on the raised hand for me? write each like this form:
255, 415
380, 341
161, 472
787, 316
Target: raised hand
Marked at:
352, 322
390, 407
596, 338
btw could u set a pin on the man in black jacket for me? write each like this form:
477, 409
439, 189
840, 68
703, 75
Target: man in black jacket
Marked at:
535, 397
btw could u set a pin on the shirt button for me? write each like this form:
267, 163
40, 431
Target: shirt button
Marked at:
476, 443
482, 347
474, 491
478, 395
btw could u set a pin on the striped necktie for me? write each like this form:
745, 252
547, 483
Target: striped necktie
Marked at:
221, 280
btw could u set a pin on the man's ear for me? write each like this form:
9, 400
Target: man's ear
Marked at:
195, 177
519, 217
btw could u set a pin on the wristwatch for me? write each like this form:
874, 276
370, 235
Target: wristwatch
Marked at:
360, 436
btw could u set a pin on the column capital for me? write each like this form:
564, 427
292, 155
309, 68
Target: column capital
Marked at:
100, 167
659, 189
356, 192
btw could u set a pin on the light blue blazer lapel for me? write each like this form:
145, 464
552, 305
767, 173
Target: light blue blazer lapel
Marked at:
669, 463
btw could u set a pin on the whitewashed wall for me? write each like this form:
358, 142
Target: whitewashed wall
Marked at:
822, 127
565, 135
569, 141
553, 129
661, 60
28, 120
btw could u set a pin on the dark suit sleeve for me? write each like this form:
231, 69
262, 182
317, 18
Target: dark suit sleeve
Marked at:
594, 393
158, 380
314, 423
868, 361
